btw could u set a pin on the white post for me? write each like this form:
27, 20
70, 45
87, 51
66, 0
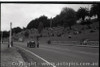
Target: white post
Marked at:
10, 37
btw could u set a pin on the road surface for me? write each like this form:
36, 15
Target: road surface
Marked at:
59, 56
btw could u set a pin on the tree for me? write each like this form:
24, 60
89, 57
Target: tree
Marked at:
82, 12
5, 34
23, 28
68, 17
33, 24
95, 10
57, 21
87, 22
0, 35
40, 27
26, 34
44, 20
16, 30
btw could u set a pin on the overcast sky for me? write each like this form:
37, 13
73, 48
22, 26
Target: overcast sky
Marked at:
21, 14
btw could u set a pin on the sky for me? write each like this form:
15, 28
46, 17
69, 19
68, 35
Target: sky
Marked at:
21, 14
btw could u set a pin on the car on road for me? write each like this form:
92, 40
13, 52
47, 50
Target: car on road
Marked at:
32, 44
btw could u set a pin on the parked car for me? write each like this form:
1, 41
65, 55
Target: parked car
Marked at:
31, 44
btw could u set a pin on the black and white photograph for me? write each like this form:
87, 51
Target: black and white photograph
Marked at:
49, 34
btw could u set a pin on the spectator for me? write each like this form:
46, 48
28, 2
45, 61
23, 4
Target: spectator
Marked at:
69, 36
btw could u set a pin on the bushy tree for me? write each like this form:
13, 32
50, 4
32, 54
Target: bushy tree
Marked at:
40, 27
44, 20
16, 30
26, 34
58, 20
82, 12
34, 23
68, 17
87, 22
5, 34
24, 28
95, 10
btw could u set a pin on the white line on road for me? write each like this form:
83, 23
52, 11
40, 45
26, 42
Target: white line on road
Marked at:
38, 56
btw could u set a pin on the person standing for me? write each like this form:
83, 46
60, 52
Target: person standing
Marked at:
37, 38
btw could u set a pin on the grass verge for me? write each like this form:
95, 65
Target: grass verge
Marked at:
10, 57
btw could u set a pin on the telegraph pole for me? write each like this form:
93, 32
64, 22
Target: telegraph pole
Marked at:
10, 37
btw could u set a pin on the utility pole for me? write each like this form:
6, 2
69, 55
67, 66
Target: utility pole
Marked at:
10, 37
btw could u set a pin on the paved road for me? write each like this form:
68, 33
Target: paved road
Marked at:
60, 56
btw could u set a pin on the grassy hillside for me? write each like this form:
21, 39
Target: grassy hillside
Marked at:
77, 33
